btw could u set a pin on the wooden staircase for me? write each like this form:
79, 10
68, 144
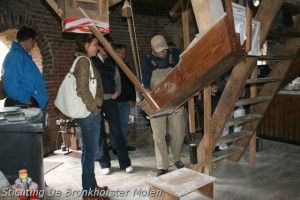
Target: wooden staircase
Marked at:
259, 103
201, 67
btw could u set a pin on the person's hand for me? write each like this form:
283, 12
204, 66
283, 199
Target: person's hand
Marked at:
115, 95
147, 90
132, 103
98, 112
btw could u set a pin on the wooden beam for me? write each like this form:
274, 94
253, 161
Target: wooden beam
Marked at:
253, 93
266, 14
207, 130
54, 6
248, 28
103, 10
176, 8
207, 137
205, 16
88, 1
186, 42
113, 2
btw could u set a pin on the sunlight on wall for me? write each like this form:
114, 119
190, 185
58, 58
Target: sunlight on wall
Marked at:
3, 52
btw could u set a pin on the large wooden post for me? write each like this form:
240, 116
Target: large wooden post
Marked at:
206, 18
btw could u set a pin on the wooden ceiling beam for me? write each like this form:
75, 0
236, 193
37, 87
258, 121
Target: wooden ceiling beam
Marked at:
176, 8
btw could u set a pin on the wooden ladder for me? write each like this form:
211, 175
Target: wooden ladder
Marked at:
258, 103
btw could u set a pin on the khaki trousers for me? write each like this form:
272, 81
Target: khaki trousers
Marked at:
172, 124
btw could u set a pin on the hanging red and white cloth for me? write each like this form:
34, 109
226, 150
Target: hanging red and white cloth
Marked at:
80, 25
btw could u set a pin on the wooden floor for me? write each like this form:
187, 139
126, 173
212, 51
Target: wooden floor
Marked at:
275, 177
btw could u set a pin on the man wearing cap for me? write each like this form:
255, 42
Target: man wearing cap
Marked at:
155, 66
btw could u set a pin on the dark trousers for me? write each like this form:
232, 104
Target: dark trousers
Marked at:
110, 110
10, 103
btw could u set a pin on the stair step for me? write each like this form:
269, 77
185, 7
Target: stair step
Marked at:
243, 119
253, 100
233, 137
88, 1
226, 153
284, 32
275, 58
264, 80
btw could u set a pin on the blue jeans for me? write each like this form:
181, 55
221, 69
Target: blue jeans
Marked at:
110, 109
124, 111
90, 135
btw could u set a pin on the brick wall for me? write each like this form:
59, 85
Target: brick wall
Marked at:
57, 50
53, 45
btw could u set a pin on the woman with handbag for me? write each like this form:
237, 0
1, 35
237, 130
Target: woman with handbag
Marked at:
87, 46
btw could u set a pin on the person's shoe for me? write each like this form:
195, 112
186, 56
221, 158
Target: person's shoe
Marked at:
179, 164
217, 149
160, 172
114, 151
223, 147
130, 148
105, 171
102, 188
105, 188
129, 169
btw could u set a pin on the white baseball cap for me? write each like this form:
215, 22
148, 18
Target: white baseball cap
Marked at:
159, 43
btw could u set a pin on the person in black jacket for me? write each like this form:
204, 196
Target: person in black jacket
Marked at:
112, 88
126, 99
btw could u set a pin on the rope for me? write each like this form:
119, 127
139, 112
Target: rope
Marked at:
136, 44
133, 47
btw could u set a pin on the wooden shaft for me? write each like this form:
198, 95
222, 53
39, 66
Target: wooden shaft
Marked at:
54, 6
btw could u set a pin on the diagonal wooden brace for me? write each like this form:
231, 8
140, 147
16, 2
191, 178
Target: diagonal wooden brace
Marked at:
122, 65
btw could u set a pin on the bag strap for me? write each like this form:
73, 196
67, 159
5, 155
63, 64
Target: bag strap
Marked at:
75, 62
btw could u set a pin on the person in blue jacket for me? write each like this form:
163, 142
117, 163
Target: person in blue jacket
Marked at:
22, 80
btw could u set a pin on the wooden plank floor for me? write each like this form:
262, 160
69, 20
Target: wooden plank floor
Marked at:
275, 177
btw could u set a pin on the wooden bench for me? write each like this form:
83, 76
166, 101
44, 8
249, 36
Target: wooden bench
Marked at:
179, 183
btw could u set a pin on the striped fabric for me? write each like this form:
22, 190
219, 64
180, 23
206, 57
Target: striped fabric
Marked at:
80, 25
